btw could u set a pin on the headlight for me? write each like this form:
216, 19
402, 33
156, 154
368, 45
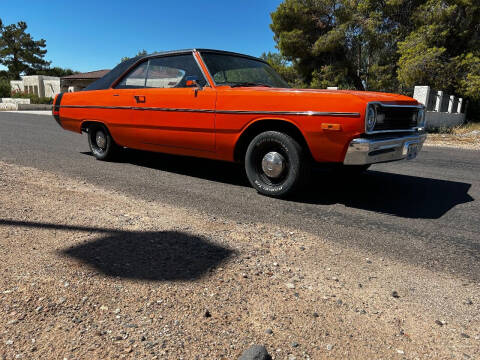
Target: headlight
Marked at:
371, 119
421, 118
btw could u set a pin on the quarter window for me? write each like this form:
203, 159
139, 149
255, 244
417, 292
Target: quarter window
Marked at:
163, 72
135, 79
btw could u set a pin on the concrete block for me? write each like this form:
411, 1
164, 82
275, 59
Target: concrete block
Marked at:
438, 103
421, 94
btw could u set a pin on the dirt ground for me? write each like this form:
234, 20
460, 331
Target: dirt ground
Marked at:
463, 137
93, 274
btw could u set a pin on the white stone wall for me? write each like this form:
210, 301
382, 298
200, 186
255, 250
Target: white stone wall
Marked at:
15, 101
437, 120
39, 85
52, 87
16, 85
443, 111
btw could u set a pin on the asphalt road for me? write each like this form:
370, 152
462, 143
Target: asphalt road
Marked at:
425, 211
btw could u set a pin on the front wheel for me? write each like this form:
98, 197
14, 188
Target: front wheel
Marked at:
101, 143
275, 164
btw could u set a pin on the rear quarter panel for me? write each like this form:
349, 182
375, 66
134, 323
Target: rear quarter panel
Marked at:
79, 107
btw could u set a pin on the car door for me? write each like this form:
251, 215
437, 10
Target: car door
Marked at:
120, 101
168, 114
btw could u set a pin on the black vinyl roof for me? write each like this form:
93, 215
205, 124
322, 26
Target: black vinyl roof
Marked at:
107, 81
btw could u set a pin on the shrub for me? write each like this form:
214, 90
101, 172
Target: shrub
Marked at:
4, 88
34, 99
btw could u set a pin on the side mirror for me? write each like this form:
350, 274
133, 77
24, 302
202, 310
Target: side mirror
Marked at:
192, 81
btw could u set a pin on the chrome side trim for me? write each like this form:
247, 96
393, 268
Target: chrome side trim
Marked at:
238, 112
300, 113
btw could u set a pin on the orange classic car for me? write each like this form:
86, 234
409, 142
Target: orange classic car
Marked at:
233, 107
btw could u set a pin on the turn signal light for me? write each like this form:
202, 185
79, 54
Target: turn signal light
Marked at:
334, 127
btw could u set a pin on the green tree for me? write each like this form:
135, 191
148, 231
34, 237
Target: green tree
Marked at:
285, 68
56, 71
350, 44
443, 50
19, 52
140, 53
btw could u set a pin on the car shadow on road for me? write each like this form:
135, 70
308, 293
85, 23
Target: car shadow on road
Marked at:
213, 170
395, 194
142, 255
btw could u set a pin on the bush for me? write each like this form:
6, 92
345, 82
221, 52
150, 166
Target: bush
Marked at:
4, 88
34, 99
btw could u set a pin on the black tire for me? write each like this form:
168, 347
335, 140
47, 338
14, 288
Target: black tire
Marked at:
293, 169
105, 149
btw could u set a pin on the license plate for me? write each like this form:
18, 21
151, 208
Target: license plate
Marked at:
412, 151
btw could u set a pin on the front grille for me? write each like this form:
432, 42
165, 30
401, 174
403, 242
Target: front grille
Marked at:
395, 118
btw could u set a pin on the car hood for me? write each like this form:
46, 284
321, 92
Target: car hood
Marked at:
366, 96
282, 99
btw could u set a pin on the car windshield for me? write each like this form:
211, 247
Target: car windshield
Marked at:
241, 71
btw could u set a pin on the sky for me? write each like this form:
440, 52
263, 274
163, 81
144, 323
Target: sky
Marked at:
90, 35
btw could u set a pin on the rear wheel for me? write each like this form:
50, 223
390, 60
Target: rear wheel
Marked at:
101, 143
275, 164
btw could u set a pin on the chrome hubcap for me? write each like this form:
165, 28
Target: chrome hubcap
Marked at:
101, 140
273, 164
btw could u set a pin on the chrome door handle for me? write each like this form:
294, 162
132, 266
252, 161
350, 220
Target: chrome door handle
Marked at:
140, 98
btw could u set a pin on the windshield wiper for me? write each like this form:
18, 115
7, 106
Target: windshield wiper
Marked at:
246, 84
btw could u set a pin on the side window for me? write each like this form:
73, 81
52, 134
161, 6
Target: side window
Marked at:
172, 71
135, 78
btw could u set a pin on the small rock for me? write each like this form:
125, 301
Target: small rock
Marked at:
329, 347
315, 315
401, 352
9, 342
339, 302
368, 261
465, 336
294, 344
269, 331
128, 349
440, 322
244, 275
290, 285
207, 314
395, 294
104, 308
468, 302
292, 357
255, 352
275, 264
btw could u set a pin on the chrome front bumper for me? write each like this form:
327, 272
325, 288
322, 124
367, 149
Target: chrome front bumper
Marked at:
362, 151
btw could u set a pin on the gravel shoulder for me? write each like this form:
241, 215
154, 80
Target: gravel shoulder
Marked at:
94, 273
461, 140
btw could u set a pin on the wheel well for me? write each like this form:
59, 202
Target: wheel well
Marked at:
86, 124
267, 125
